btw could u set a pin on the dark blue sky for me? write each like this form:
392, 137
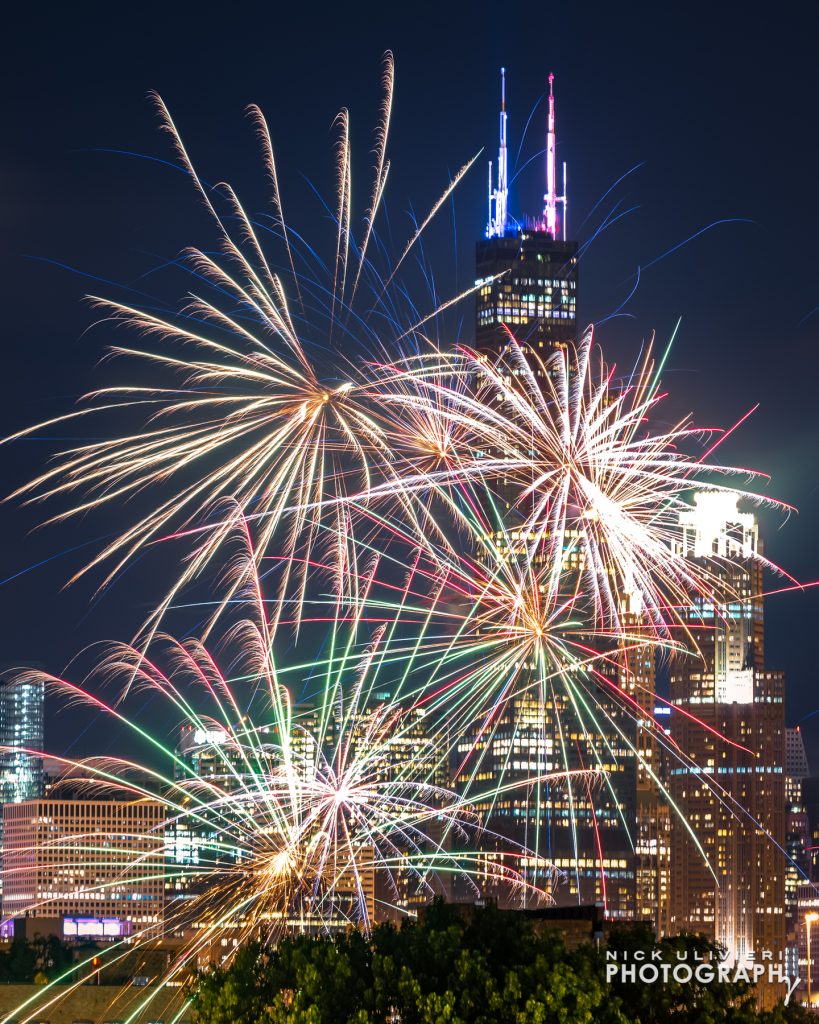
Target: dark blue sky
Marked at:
719, 105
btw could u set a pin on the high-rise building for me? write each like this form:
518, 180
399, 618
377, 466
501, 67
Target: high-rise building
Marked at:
797, 842
796, 765
526, 274
100, 860
810, 798
527, 287
727, 873
527, 284
409, 747
807, 939
191, 840
578, 824
198, 846
652, 829
21, 731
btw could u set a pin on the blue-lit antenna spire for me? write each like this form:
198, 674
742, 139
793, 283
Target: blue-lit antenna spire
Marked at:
498, 197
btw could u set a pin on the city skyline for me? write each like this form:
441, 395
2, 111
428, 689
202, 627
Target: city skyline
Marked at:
687, 183
411, 584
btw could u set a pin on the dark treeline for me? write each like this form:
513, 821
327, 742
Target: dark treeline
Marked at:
485, 967
26, 961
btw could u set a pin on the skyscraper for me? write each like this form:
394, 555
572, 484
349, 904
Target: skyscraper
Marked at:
99, 859
21, 731
527, 284
797, 841
527, 278
526, 275
206, 754
398, 891
728, 878
652, 831
796, 765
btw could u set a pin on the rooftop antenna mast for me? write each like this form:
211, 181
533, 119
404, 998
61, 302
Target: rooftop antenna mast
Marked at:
498, 197
551, 199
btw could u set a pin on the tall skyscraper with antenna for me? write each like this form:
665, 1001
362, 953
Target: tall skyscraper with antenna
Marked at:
535, 295
527, 279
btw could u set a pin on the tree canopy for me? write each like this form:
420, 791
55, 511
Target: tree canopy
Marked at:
483, 967
40, 959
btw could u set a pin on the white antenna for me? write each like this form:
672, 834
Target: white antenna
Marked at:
498, 198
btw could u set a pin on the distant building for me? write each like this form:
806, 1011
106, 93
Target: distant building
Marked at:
576, 925
810, 798
807, 933
796, 765
99, 860
408, 751
200, 845
192, 841
652, 834
21, 732
797, 841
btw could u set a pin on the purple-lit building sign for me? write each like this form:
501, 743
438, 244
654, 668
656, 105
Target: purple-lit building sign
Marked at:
95, 928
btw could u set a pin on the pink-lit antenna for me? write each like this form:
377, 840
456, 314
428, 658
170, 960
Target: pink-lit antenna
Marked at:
498, 197
551, 198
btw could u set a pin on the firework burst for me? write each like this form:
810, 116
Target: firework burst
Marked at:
596, 492
260, 407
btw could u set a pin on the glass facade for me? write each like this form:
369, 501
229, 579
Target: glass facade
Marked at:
21, 730
527, 284
728, 878
527, 287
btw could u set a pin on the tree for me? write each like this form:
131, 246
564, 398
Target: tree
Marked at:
23, 960
464, 966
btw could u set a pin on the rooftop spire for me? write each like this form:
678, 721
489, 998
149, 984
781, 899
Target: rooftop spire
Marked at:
496, 225
551, 198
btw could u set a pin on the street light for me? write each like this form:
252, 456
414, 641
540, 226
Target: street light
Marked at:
809, 919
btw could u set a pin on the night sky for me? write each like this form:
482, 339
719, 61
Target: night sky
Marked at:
717, 105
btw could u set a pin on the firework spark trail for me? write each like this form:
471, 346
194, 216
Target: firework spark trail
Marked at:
381, 166
300, 810
251, 428
252, 421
